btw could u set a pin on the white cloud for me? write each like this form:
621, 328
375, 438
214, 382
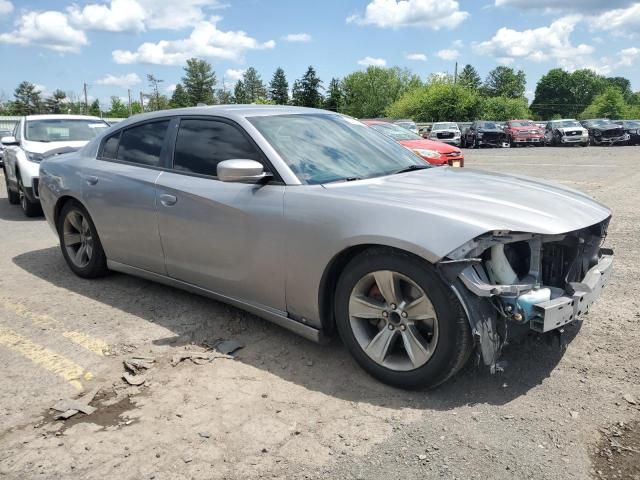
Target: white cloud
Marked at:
372, 62
48, 29
205, 41
124, 81
119, 16
233, 75
448, 54
432, 14
625, 21
170, 88
541, 44
297, 37
563, 5
6, 7
419, 57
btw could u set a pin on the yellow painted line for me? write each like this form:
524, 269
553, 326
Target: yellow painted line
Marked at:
45, 358
94, 345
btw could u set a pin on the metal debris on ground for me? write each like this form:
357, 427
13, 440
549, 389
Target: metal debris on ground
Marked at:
70, 407
137, 364
199, 358
226, 347
135, 380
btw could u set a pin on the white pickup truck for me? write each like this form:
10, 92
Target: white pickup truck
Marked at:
34, 138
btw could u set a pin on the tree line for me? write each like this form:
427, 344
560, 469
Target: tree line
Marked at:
375, 92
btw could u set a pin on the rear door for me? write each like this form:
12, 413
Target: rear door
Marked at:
224, 237
119, 191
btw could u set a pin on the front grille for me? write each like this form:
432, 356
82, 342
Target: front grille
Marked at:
572, 133
613, 133
445, 135
452, 154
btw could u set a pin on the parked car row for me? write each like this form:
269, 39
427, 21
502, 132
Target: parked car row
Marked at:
483, 133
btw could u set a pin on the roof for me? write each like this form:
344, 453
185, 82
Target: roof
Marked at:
374, 122
62, 117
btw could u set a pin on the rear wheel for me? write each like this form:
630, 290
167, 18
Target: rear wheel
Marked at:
400, 322
12, 196
30, 209
80, 243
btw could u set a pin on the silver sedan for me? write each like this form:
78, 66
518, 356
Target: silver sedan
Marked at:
311, 220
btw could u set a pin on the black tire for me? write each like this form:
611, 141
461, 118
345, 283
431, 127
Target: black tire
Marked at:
30, 209
512, 144
12, 196
97, 264
463, 143
476, 144
455, 342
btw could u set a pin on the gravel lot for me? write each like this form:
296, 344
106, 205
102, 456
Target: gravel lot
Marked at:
287, 408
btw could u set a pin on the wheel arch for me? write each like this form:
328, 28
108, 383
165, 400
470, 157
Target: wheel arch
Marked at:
60, 203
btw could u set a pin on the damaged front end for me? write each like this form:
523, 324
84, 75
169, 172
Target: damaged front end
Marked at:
543, 281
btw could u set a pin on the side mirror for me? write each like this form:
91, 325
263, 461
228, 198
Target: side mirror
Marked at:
9, 141
240, 171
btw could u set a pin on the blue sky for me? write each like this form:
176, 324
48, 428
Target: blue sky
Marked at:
112, 44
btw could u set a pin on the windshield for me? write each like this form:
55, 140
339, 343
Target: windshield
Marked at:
599, 122
445, 126
321, 148
522, 124
409, 125
489, 125
395, 132
632, 124
63, 130
566, 124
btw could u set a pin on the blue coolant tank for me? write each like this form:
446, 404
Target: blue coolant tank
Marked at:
529, 299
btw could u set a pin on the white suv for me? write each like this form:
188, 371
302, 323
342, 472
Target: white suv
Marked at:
34, 138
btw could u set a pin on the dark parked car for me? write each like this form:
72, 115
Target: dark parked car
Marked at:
483, 133
605, 132
631, 128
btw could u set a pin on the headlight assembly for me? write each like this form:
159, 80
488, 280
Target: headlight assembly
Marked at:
34, 157
427, 153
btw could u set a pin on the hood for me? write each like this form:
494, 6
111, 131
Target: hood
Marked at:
490, 130
43, 147
520, 129
606, 128
570, 129
429, 145
478, 202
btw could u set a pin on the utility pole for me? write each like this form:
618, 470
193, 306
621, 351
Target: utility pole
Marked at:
455, 75
142, 102
130, 109
86, 99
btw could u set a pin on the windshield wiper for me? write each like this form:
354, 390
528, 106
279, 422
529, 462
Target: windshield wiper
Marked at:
410, 168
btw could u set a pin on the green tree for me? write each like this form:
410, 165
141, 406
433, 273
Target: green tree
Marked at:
56, 102
437, 101
334, 98
296, 93
118, 108
224, 97
253, 86
505, 82
553, 95
279, 87
136, 108
239, 96
179, 97
157, 101
609, 104
469, 78
94, 108
310, 86
368, 93
27, 99
623, 84
504, 108
199, 81
584, 85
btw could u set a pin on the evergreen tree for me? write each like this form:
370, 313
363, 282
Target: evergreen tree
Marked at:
94, 108
27, 99
239, 93
279, 88
224, 96
56, 102
311, 85
469, 78
253, 86
199, 81
156, 100
179, 98
297, 96
335, 96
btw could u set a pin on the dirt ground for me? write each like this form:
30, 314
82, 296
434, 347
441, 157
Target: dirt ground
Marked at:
287, 408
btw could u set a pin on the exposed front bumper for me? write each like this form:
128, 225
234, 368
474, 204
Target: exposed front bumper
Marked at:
574, 139
527, 139
611, 140
559, 311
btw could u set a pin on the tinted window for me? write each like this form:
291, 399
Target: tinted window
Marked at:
110, 147
143, 144
202, 144
64, 130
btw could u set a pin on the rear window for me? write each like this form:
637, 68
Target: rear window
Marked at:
63, 130
143, 144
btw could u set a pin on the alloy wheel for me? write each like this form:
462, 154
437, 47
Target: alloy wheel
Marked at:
77, 238
393, 320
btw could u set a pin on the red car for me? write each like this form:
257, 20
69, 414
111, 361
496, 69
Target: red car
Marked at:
523, 132
435, 153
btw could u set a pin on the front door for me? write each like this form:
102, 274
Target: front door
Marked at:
224, 237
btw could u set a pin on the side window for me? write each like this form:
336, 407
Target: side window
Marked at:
110, 147
202, 144
17, 132
143, 144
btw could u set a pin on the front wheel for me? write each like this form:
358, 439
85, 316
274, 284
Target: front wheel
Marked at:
400, 322
80, 243
30, 209
13, 197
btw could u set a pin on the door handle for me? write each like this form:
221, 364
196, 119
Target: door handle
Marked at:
168, 200
92, 180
